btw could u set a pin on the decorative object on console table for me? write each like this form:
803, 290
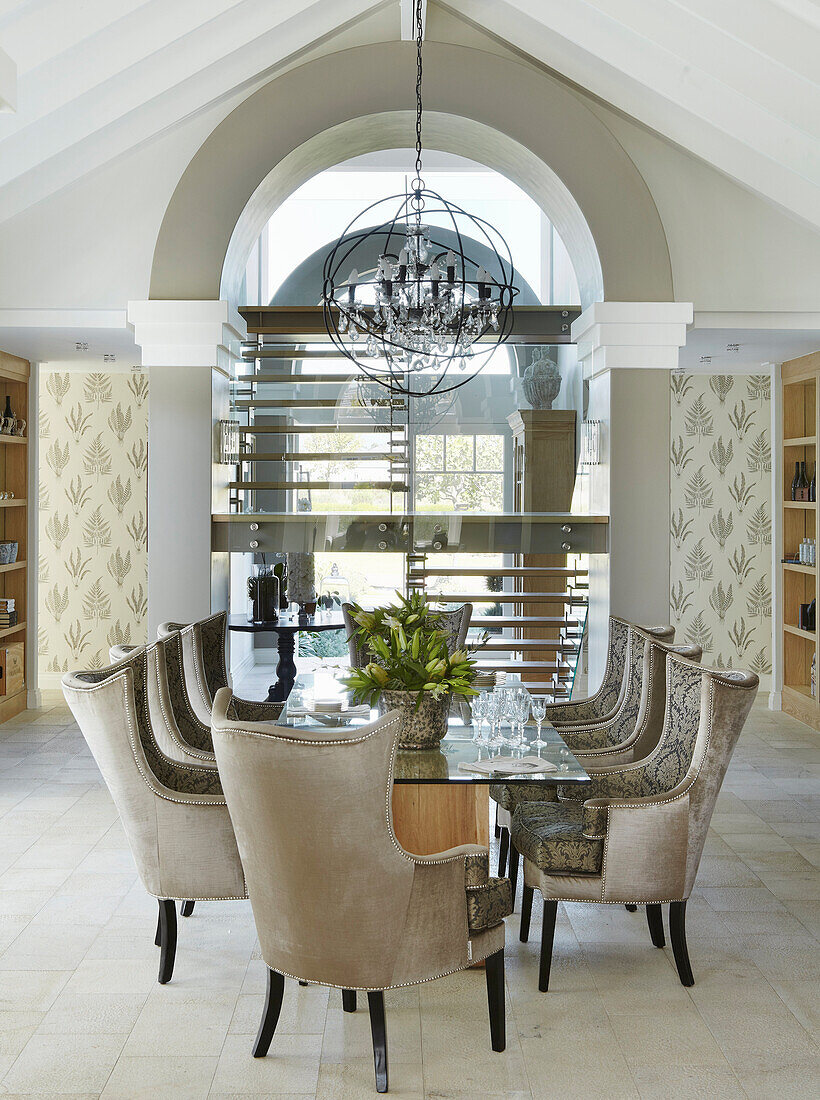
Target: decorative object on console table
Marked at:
263, 595
302, 582
410, 668
541, 382
8, 553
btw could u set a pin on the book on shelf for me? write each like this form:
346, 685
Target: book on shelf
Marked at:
6, 604
7, 619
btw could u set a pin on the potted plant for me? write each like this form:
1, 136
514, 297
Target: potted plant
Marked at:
410, 668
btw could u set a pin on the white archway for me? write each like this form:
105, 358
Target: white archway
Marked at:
520, 122
445, 133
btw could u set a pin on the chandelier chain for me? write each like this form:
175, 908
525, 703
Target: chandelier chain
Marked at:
419, 39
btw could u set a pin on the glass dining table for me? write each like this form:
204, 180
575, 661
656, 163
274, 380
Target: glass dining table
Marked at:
437, 803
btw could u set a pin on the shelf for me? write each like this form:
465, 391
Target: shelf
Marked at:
805, 504
800, 689
13, 503
13, 438
12, 630
795, 567
806, 635
14, 565
800, 441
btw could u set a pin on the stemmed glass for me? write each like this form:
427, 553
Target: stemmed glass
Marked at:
539, 713
495, 707
521, 704
479, 709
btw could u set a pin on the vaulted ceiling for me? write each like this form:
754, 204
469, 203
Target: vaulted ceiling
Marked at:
733, 81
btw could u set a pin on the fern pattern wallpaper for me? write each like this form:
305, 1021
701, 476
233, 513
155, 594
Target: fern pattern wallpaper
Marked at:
721, 517
93, 567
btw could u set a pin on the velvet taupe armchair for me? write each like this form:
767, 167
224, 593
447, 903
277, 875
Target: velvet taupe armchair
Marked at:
174, 814
637, 837
603, 703
336, 899
632, 730
455, 624
203, 655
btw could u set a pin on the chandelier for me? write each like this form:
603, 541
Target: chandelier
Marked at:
427, 311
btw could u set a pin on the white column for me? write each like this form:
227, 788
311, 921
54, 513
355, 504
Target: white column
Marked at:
189, 348
627, 350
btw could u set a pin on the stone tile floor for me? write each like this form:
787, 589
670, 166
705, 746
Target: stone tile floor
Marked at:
81, 1013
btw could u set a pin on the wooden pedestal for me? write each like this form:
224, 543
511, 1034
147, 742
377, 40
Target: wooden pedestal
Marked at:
431, 817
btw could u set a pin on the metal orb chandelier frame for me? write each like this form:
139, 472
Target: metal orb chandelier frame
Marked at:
426, 307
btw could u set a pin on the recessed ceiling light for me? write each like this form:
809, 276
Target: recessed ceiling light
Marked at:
735, 348
81, 346
706, 358
109, 358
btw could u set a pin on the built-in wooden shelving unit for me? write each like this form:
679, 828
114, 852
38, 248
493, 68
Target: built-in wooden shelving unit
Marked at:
14, 381
801, 423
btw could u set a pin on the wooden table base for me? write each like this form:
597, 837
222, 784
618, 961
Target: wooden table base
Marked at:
431, 817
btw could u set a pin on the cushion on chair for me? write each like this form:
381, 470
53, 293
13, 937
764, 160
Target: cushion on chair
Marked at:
489, 900
551, 836
510, 795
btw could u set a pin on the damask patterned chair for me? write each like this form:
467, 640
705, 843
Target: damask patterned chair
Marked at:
336, 899
455, 624
634, 836
601, 706
634, 726
174, 814
203, 657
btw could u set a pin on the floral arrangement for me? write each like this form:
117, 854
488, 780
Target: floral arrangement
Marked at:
409, 653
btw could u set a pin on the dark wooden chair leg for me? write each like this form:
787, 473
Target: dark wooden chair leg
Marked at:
158, 936
270, 1013
547, 936
303, 983
514, 860
631, 908
186, 908
494, 970
497, 826
503, 848
655, 921
526, 913
378, 1029
677, 934
349, 1000
167, 940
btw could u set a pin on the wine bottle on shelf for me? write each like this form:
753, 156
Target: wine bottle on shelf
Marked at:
795, 480
803, 483
813, 484
812, 616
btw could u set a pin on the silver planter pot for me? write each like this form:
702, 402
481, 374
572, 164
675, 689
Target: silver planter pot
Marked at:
420, 729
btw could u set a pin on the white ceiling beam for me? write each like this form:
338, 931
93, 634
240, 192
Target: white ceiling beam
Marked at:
408, 19
146, 100
8, 83
76, 112
36, 31
668, 93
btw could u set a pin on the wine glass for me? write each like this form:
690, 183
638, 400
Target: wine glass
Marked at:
522, 712
539, 713
478, 708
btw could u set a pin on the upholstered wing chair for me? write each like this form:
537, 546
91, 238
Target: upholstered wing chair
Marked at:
602, 705
336, 899
455, 625
635, 835
634, 727
203, 656
174, 814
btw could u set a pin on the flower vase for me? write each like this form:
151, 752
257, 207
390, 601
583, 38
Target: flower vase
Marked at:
421, 728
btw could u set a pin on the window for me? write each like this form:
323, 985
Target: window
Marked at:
459, 473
